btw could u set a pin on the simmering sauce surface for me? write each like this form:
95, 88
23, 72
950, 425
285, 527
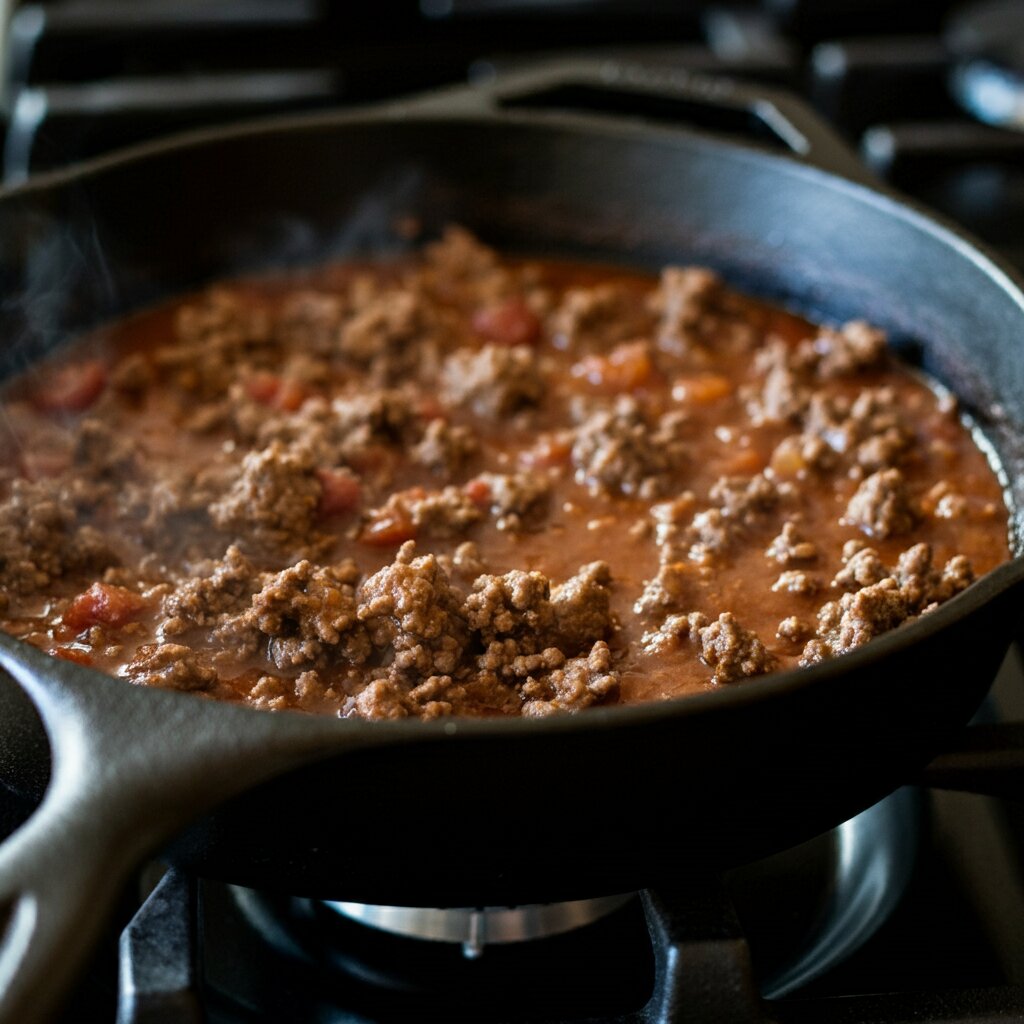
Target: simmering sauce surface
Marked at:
465, 485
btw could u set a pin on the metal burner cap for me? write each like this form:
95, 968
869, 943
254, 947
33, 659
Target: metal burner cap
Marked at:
987, 40
477, 927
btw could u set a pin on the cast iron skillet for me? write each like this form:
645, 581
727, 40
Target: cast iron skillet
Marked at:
491, 812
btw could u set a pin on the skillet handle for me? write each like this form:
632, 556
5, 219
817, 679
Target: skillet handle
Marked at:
59, 882
988, 759
131, 767
662, 95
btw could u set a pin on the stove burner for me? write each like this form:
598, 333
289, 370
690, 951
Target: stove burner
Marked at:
794, 916
477, 927
988, 79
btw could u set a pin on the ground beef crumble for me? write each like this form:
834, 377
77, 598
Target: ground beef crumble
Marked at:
43, 538
170, 667
791, 547
733, 652
273, 500
305, 614
494, 381
882, 506
617, 450
880, 599
517, 500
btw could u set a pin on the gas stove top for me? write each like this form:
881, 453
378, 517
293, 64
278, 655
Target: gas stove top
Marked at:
931, 94
913, 911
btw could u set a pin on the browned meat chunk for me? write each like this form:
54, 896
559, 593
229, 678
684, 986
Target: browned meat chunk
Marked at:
304, 614
170, 667
795, 455
744, 498
925, 586
217, 589
444, 448
348, 430
461, 259
615, 451
410, 608
494, 381
856, 618
711, 533
784, 394
672, 632
793, 629
793, 581
695, 310
393, 326
855, 347
881, 506
596, 318
273, 499
582, 607
517, 500
670, 589
871, 430
516, 605
444, 513
790, 547
102, 454
216, 333
41, 539
582, 682
311, 321
862, 568
944, 501
733, 652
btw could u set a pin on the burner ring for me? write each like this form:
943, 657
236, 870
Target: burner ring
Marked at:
991, 93
987, 80
478, 927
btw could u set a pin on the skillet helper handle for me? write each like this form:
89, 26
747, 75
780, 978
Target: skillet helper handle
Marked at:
664, 96
988, 760
131, 767
58, 886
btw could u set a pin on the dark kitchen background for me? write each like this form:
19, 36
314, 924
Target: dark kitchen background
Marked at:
913, 912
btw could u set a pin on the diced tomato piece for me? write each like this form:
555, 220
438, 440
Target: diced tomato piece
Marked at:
263, 387
72, 654
511, 322
292, 396
392, 524
626, 368
430, 408
388, 530
340, 492
701, 389
103, 604
276, 392
742, 462
72, 388
479, 492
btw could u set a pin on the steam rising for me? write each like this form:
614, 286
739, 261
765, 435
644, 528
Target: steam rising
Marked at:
61, 275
